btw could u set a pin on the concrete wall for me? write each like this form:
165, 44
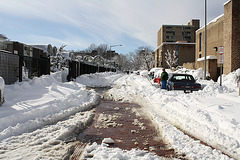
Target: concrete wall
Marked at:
214, 38
189, 65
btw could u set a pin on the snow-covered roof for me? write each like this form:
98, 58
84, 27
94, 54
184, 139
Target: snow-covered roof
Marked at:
212, 21
226, 2
207, 57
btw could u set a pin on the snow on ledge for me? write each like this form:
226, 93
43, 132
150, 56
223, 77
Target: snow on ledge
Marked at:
226, 2
208, 57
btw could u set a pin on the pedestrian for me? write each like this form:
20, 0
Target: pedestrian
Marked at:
164, 78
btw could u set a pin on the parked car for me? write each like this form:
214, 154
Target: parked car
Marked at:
184, 82
152, 72
157, 80
144, 73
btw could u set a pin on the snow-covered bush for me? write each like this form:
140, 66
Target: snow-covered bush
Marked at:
1, 90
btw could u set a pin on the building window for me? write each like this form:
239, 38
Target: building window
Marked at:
200, 42
170, 32
187, 28
169, 27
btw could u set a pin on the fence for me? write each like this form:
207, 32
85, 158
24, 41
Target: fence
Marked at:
9, 67
77, 68
14, 67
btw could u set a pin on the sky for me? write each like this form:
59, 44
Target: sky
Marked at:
79, 23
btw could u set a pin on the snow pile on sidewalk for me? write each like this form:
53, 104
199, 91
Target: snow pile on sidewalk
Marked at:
105, 79
211, 114
33, 117
41, 101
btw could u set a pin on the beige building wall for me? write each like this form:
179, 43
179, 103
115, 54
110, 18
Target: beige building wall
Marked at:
176, 34
231, 36
223, 31
214, 38
185, 53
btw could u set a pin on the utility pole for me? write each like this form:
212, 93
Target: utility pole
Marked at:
205, 57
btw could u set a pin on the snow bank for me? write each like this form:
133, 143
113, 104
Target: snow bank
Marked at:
61, 76
104, 79
39, 102
232, 80
211, 114
197, 74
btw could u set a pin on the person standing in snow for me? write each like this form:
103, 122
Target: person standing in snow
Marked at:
164, 78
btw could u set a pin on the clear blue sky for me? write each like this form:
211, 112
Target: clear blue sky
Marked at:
79, 23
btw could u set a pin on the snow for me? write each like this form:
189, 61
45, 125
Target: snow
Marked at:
108, 140
226, 2
154, 70
211, 115
102, 152
207, 57
144, 73
99, 79
40, 117
212, 21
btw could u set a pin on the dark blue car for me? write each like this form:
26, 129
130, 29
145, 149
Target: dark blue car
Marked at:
184, 82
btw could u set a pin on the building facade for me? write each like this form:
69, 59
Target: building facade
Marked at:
222, 32
178, 38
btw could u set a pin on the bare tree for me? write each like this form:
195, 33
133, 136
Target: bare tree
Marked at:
145, 57
102, 48
171, 58
133, 59
91, 48
123, 63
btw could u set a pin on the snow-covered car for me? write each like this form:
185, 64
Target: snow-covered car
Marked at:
157, 80
152, 72
144, 73
185, 82
137, 72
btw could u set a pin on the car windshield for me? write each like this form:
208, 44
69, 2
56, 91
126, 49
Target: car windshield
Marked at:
185, 78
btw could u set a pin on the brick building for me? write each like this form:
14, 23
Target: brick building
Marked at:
222, 31
179, 38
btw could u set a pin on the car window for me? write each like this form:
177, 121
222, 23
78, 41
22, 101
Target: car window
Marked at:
183, 78
190, 78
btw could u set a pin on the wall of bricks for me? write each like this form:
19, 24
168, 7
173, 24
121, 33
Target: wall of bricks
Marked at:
236, 34
231, 36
